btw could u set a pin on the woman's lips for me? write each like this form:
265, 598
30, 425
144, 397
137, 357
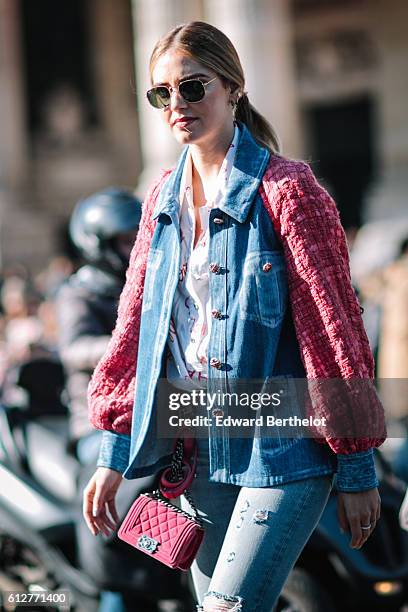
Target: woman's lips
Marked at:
185, 122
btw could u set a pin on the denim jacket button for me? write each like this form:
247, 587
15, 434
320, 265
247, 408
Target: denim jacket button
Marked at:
218, 220
216, 314
215, 363
267, 266
214, 267
217, 412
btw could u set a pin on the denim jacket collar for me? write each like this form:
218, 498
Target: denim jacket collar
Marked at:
249, 166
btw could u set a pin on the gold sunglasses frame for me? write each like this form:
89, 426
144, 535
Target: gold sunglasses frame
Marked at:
171, 89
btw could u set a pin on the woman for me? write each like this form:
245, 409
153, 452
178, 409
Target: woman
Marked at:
240, 271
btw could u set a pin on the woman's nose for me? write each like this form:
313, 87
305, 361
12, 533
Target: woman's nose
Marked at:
176, 100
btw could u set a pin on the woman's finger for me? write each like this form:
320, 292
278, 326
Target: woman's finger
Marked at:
106, 519
341, 515
113, 511
374, 517
102, 527
356, 531
91, 526
103, 522
365, 522
98, 500
368, 532
87, 508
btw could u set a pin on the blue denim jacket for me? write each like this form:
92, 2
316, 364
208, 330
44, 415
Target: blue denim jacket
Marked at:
253, 339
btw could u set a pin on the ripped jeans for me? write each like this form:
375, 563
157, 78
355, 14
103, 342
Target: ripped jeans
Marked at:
253, 537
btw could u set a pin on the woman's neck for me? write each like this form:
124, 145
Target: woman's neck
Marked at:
207, 158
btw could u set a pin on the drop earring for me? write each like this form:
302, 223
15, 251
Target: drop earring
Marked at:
234, 108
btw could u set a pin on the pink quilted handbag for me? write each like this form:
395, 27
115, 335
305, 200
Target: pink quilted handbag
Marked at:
157, 527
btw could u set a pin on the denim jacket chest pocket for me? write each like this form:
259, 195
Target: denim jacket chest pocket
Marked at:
264, 290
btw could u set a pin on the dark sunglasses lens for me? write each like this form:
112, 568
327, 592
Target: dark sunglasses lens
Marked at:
192, 91
159, 97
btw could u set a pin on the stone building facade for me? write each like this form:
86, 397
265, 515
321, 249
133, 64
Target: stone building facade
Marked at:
330, 75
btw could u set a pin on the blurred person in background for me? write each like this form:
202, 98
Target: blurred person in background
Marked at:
28, 334
58, 270
103, 228
21, 325
27, 329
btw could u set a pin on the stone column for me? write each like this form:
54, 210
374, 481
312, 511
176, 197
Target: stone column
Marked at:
151, 20
110, 25
388, 198
13, 150
12, 121
262, 32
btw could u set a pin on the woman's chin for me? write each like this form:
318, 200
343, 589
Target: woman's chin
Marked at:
186, 135
184, 138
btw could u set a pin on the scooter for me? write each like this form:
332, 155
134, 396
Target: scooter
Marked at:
40, 518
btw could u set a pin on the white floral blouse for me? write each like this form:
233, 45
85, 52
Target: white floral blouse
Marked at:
190, 323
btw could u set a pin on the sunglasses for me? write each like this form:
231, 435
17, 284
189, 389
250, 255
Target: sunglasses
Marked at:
191, 90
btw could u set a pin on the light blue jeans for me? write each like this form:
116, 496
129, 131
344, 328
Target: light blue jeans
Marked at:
253, 537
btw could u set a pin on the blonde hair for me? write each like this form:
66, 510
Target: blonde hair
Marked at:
213, 49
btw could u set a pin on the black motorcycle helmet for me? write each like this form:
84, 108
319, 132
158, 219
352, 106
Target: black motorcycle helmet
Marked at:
97, 221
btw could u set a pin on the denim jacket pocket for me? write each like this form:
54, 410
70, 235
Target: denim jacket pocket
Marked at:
264, 290
153, 263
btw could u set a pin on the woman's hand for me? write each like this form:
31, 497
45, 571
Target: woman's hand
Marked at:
355, 510
99, 497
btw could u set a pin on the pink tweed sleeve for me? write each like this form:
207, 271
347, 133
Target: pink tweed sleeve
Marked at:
326, 313
112, 386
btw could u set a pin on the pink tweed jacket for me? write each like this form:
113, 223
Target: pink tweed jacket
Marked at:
325, 309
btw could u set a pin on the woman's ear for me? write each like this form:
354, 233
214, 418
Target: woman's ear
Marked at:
235, 94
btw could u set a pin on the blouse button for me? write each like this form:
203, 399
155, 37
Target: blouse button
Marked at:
215, 363
267, 266
216, 314
214, 268
218, 220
